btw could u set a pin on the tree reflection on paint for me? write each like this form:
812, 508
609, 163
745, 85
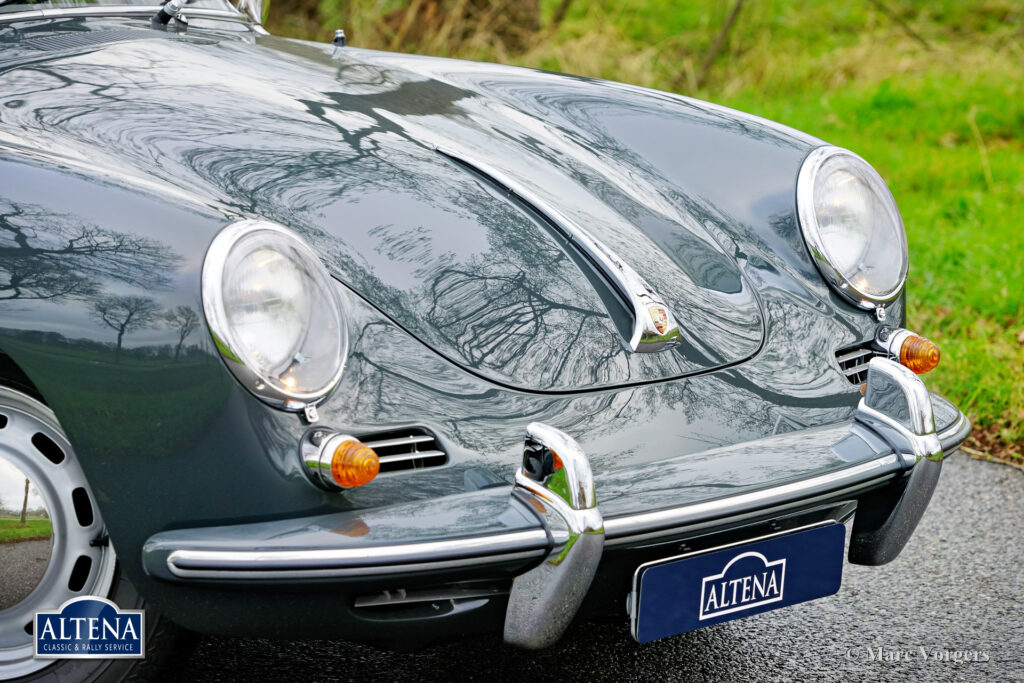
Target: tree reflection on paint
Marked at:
45, 255
124, 314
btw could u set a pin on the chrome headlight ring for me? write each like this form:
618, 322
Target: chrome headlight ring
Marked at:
852, 227
274, 314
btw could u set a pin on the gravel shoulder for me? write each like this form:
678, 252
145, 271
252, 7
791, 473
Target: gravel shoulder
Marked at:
956, 594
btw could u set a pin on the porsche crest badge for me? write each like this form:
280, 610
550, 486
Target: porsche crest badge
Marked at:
659, 316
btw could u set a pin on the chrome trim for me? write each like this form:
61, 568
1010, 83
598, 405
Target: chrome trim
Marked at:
355, 572
534, 543
634, 594
573, 498
220, 330
743, 517
891, 340
849, 372
851, 355
952, 436
331, 562
113, 11
639, 296
411, 597
167, 12
400, 441
893, 390
252, 9
298, 564
619, 530
556, 477
630, 525
806, 212
316, 449
853, 361
374, 560
411, 455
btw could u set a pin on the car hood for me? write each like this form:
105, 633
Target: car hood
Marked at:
343, 149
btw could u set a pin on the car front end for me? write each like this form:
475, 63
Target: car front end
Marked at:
439, 349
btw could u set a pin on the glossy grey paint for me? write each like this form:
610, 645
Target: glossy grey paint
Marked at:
345, 156
709, 195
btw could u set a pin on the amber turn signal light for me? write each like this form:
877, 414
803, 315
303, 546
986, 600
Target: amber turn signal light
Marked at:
919, 354
354, 464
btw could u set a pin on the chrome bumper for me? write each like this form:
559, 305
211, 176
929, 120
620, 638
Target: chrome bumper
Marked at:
550, 534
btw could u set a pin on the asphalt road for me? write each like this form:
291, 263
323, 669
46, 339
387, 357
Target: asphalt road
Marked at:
22, 564
956, 591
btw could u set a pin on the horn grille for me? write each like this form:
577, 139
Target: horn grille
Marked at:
407, 448
853, 361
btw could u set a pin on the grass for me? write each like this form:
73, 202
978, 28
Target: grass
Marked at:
943, 124
35, 529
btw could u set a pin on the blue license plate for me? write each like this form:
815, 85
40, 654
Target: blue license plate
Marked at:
690, 592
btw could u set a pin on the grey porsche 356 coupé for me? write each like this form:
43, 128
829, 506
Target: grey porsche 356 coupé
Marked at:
302, 340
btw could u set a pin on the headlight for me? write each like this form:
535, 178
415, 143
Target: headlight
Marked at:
274, 313
852, 226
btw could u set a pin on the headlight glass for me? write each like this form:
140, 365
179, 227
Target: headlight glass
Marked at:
852, 226
274, 313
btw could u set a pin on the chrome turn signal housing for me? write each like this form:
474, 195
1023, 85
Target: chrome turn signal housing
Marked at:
336, 462
911, 350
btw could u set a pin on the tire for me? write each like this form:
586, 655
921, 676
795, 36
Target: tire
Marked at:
166, 644
33, 446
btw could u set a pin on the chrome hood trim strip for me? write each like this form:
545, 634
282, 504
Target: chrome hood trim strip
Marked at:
649, 310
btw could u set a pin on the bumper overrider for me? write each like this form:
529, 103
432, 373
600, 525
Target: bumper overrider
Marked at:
561, 551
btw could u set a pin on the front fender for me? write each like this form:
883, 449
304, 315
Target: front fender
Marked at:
160, 427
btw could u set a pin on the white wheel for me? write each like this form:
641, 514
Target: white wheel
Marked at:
80, 562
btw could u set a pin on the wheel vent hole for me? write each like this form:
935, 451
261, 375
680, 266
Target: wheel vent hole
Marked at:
48, 448
80, 573
3, 421
28, 628
83, 507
